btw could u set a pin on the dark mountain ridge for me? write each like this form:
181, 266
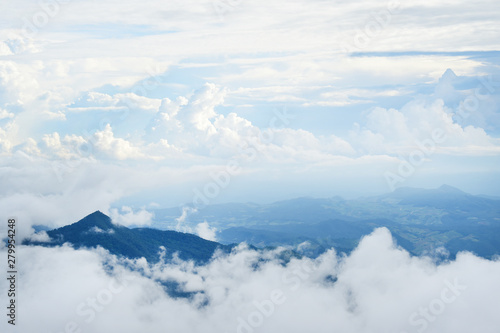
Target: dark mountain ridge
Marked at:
97, 229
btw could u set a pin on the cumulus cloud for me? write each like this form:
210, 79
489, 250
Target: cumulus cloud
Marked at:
93, 100
41, 236
206, 232
17, 83
4, 114
193, 125
4, 49
200, 110
106, 143
188, 123
70, 147
400, 131
377, 288
181, 220
127, 217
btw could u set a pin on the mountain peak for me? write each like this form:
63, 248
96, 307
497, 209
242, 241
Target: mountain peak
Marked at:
450, 189
97, 213
96, 229
97, 219
448, 76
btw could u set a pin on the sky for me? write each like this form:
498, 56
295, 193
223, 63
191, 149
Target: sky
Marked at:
128, 106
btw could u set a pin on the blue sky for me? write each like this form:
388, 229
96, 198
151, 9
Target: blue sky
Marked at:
145, 104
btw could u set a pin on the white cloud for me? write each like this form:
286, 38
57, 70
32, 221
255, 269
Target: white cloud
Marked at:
30, 147
304, 141
106, 143
92, 99
13, 43
200, 109
206, 232
5, 142
141, 103
4, 114
181, 220
97, 230
70, 147
128, 217
377, 288
392, 131
40, 236
60, 192
193, 125
4, 49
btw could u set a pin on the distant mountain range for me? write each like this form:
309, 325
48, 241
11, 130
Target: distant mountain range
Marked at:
97, 229
421, 220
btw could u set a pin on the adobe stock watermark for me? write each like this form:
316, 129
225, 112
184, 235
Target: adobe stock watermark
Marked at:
424, 149
249, 150
378, 22
49, 9
87, 148
267, 307
421, 319
88, 310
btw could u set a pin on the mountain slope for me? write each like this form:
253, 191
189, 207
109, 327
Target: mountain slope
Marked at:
97, 229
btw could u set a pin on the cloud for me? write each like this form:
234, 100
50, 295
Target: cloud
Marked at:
128, 217
41, 236
181, 220
4, 114
97, 230
377, 288
92, 101
193, 125
55, 193
105, 142
200, 109
17, 83
4, 49
206, 232
13, 43
189, 123
70, 147
389, 131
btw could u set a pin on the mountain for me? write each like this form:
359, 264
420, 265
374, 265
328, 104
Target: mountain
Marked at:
421, 220
444, 197
341, 235
404, 205
300, 210
97, 229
